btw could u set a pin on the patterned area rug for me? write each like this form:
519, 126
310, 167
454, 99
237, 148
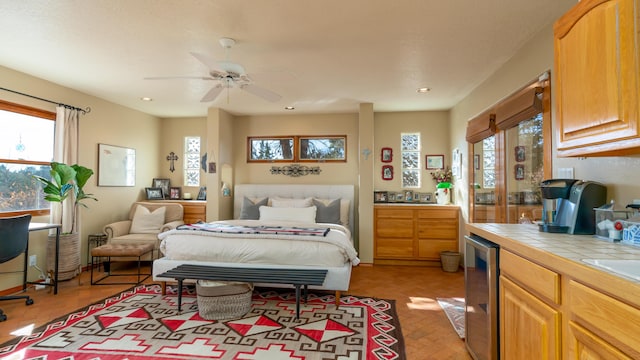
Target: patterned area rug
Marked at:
454, 309
143, 324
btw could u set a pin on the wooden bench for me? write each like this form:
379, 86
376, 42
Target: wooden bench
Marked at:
296, 277
121, 250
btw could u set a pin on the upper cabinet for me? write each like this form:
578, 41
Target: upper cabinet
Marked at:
597, 81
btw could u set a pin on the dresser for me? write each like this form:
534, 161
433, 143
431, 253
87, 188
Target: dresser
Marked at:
194, 210
408, 234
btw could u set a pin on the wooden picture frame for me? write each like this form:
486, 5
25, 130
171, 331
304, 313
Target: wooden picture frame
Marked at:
154, 193
164, 184
519, 171
434, 162
386, 155
426, 198
175, 193
387, 172
520, 153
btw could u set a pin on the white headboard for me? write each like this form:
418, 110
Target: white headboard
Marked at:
294, 191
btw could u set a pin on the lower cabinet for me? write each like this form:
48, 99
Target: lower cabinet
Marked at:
601, 327
541, 320
530, 319
529, 328
414, 234
193, 210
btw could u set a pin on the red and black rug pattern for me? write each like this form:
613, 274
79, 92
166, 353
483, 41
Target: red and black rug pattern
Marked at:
141, 323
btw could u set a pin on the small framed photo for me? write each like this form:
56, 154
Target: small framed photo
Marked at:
386, 154
435, 162
400, 196
387, 172
520, 153
391, 196
154, 193
519, 171
408, 196
175, 193
202, 194
380, 196
476, 162
426, 197
164, 184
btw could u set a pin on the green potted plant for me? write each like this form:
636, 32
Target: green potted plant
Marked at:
67, 182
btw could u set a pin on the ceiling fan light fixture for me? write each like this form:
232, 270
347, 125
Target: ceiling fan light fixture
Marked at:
423, 90
289, 108
145, 98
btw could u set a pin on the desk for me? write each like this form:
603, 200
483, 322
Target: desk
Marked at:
44, 226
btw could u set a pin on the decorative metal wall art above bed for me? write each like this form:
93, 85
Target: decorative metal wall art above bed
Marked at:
295, 170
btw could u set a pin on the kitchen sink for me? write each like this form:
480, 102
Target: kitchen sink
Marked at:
627, 267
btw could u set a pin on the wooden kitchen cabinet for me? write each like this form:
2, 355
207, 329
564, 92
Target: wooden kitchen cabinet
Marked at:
601, 327
597, 77
530, 319
414, 234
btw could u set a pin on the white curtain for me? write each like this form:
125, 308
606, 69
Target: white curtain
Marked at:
65, 151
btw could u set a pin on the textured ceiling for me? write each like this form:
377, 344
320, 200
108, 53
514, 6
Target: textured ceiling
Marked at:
322, 56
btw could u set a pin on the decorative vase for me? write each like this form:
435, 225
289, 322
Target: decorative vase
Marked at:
443, 196
69, 255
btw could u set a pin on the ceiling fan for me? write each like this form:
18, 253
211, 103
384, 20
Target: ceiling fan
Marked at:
227, 74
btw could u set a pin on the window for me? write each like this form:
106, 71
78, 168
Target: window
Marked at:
192, 161
489, 162
410, 160
26, 149
297, 149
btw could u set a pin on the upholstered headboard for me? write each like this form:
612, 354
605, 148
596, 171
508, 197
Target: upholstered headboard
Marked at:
294, 191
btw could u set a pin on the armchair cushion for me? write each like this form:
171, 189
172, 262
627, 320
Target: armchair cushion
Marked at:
146, 221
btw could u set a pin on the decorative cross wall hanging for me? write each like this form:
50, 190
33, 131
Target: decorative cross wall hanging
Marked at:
171, 158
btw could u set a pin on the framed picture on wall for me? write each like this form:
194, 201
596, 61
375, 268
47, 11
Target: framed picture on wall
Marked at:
476, 162
519, 172
435, 162
520, 153
386, 154
387, 172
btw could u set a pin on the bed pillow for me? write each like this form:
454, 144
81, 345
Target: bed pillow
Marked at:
250, 208
327, 213
291, 203
305, 215
344, 209
147, 222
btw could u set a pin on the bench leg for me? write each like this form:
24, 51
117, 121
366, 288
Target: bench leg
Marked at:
163, 286
298, 301
337, 299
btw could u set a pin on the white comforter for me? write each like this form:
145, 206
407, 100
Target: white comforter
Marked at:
334, 249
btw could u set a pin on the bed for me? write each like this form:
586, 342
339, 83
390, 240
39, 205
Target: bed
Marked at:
286, 234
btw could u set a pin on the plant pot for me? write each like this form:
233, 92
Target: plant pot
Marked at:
450, 261
69, 255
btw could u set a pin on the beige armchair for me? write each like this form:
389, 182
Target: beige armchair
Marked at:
146, 220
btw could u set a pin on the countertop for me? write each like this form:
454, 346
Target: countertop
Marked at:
563, 253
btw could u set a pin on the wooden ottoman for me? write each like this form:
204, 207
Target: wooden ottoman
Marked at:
121, 250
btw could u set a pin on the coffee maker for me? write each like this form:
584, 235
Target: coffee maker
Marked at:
567, 205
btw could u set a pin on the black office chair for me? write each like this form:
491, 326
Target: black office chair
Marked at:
14, 241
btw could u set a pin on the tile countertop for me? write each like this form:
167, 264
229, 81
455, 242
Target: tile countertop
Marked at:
563, 253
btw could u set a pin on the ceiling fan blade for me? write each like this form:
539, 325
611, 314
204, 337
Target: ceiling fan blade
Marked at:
206, 60
261, 92
212, 94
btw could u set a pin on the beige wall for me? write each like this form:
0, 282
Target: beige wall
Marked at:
106, 123
433, 127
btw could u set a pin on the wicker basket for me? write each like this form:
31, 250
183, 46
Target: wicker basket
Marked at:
450, 261
223, 300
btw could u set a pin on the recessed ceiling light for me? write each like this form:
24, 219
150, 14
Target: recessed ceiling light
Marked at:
423, 90
146, 98
289, 108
